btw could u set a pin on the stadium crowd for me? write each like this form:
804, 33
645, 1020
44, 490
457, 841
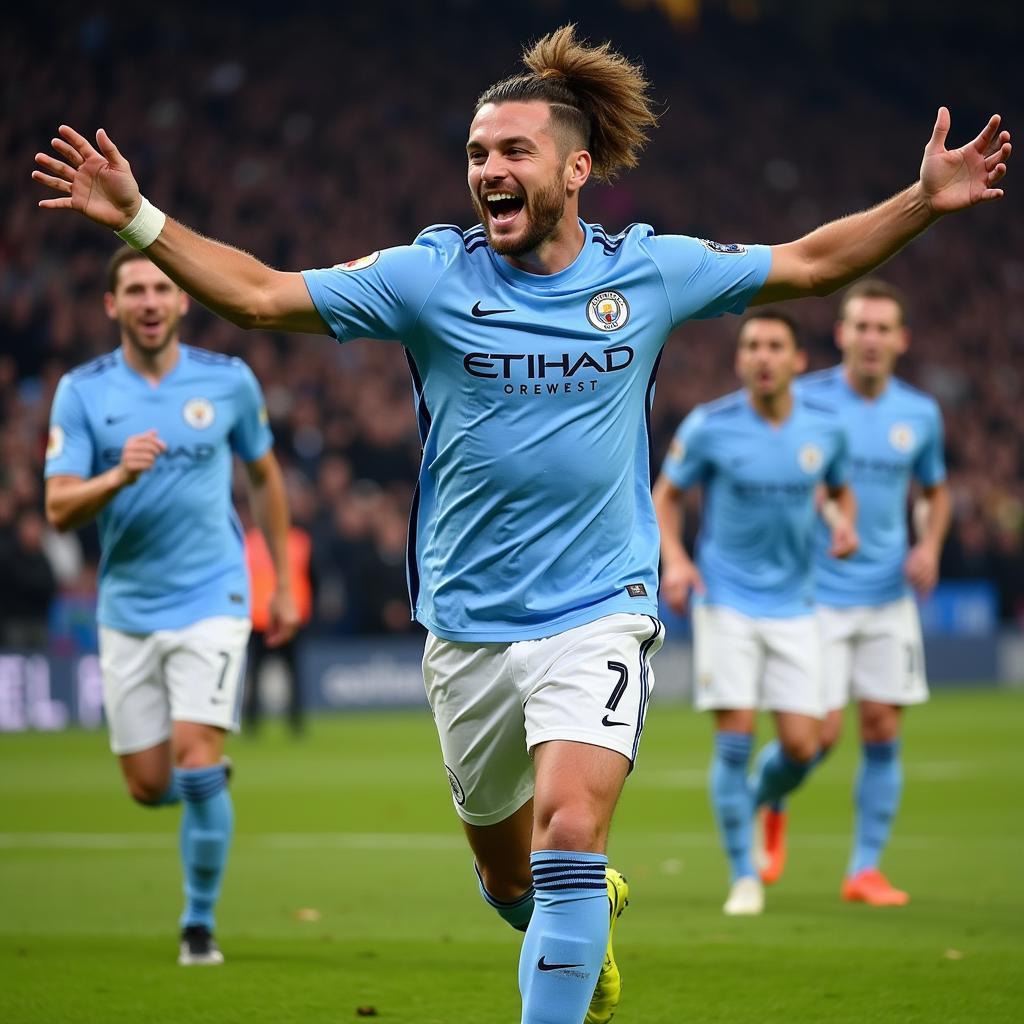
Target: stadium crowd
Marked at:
312, 138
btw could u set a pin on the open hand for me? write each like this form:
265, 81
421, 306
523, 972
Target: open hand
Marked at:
953, 179
95, 181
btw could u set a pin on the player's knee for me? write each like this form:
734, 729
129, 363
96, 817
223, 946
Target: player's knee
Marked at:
879, 724
148, 792
570, 827
199, 752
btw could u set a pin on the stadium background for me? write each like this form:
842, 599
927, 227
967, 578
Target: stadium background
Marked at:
311, 134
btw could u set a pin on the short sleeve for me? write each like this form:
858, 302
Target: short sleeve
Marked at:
837, 472
930, 464
380, 295
70, 447
250, 435
686, 463
705, 279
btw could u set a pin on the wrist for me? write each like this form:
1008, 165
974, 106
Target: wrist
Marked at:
920, 203
144, 228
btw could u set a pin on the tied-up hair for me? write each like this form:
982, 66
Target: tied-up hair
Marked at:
597, 97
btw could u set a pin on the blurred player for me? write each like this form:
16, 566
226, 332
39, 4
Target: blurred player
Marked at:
870, 626
142, 439
759, 455
533, 342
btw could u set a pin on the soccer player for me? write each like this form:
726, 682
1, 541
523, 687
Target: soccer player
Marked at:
870, 626
141, 439
533, 342
759, 456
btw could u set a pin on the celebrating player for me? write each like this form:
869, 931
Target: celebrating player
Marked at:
142, 439
759, 456
533, 342
870, 626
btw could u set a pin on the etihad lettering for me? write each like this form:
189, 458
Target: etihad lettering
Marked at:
194, 454
542, 366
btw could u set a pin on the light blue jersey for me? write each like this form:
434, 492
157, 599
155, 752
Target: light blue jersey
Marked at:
755, 550
892, 438
171, 543
533, 512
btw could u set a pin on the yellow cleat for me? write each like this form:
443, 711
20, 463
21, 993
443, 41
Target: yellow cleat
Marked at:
608, 989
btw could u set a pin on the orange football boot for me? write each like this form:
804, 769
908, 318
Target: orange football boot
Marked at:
773, 852
872, 887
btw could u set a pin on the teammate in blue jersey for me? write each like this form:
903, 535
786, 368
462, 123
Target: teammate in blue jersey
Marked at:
873, 651
759, 456
142, 440
533, 342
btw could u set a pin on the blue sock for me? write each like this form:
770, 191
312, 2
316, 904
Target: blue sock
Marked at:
565, 943
732, 800
779, 804
776, 774
517, 913
879, 785
206, 828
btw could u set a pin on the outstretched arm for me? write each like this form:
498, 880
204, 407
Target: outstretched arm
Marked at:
837, 253
97, 181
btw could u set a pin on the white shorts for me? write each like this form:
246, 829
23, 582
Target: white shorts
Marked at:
768, 664
192, 674
873, 654
493, 703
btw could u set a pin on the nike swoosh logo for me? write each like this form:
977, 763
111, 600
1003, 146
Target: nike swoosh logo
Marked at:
604, 721
543, 965
116, 419
477, 311
214, 700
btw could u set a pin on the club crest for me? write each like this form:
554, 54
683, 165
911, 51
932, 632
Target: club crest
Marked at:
198, 413
608, 311
360, 264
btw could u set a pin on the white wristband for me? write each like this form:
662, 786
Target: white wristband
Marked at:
144, 227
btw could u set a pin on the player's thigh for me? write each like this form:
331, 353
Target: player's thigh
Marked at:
204, 667
888, 660
838, 630
728, 659
792, 679
479, 718
590, 684
135, 699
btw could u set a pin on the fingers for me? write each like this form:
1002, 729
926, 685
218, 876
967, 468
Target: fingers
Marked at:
108, 149
57, 184
79, 143
940, 131
998, 155
987, 134
69, 153
55, 166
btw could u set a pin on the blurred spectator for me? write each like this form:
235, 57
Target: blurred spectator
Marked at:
28, 582
263, 581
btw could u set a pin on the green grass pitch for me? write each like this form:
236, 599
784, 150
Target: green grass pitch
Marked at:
355, 823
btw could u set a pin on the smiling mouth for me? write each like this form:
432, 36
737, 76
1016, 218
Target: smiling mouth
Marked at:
503, 207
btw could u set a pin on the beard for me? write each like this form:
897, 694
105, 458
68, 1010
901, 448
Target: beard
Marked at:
148, 349
544, 210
